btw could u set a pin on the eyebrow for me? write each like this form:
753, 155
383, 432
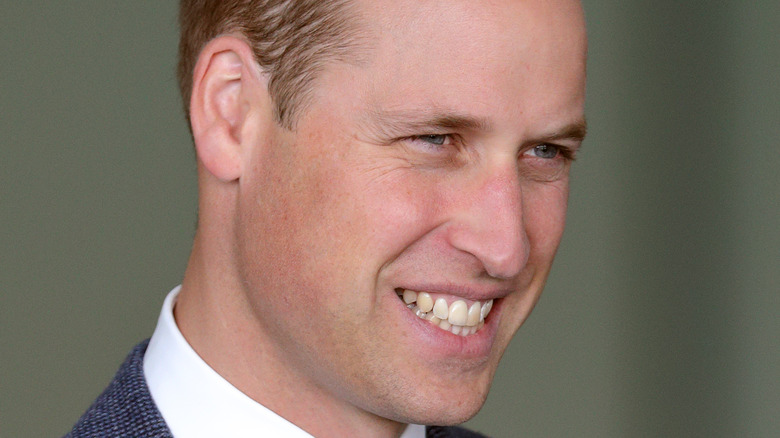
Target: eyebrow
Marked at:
574, 131
391, 123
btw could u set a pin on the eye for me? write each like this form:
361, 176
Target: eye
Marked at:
433, 143
433, 150
434, 139
546, 162
546, 151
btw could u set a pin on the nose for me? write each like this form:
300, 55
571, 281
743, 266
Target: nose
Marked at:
490, 224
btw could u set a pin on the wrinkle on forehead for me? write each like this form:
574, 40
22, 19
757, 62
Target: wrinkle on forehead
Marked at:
470, 64
477, 35
537, 18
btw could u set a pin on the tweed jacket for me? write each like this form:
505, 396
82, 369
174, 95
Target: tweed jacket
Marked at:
126, 409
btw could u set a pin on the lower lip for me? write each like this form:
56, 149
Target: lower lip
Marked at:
441, 342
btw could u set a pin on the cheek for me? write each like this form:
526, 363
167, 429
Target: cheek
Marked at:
544, 208
277, 232
397, 211
378, 207
332, 223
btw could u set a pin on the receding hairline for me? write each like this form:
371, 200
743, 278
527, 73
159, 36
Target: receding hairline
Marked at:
292, 41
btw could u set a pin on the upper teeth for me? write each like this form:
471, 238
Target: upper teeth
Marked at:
458, 317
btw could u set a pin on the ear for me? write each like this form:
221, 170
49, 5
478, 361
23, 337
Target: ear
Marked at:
226, 85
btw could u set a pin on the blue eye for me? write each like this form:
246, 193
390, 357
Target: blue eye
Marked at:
436, 139
547, 151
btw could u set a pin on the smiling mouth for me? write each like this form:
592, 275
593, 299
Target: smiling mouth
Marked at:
458, 317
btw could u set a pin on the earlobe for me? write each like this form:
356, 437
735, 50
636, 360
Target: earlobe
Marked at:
225, 77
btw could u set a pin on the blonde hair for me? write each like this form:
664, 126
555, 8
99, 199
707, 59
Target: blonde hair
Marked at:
291, 39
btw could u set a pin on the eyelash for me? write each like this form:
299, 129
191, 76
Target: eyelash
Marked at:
426, 137
561, 151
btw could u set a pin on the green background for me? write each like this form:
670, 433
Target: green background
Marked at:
661, 315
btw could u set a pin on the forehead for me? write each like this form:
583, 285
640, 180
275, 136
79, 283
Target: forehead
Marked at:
509, 56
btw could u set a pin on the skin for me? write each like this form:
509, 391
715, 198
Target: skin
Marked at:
304, 236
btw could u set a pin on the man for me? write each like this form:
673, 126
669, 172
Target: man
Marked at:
382, 189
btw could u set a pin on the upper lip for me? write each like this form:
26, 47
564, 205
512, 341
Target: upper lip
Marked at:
469, 292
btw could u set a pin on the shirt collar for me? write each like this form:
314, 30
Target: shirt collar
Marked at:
197, 402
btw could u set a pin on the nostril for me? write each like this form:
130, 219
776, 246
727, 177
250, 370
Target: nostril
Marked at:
506, 262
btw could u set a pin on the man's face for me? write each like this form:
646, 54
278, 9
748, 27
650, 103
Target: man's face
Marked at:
439, 165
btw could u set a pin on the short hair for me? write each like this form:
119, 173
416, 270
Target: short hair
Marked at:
291, 39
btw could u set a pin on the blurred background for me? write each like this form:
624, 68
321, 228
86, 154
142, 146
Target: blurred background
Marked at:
661, 317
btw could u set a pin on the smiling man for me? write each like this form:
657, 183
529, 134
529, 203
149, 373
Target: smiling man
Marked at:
382, 189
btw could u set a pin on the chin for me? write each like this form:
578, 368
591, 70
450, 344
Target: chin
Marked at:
448, 412
441, 408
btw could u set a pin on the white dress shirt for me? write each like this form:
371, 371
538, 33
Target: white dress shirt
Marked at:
195, 401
